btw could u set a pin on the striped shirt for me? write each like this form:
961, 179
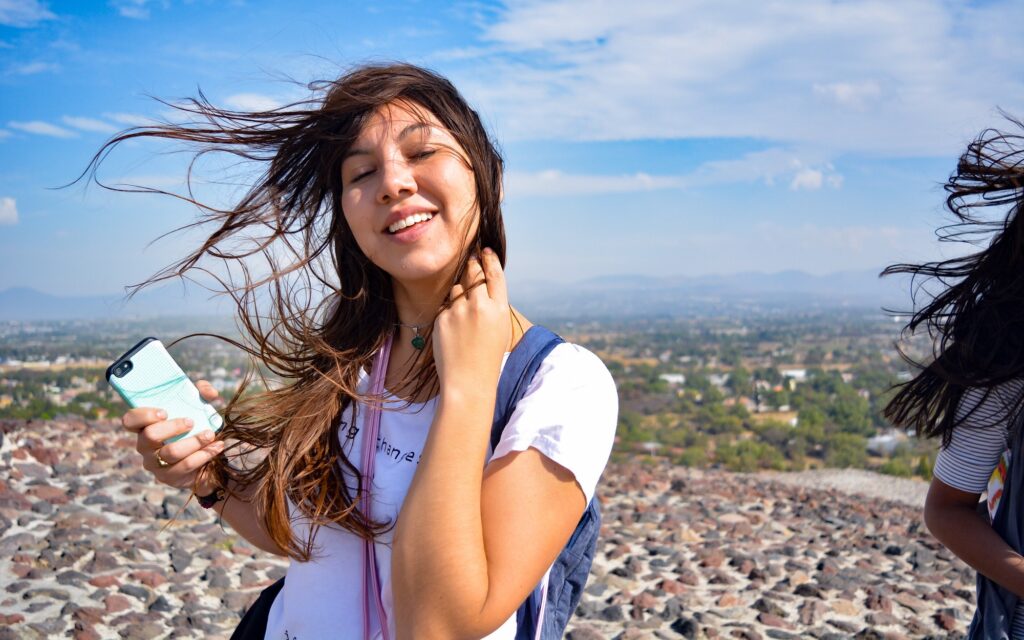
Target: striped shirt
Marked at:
977, 442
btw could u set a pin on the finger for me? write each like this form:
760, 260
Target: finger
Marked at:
196, 460
153, 436
473, 272
456, 293
474, 277
181, 449
141, 417
496, 287
207, 390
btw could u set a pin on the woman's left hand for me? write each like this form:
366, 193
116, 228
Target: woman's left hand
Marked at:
472, 335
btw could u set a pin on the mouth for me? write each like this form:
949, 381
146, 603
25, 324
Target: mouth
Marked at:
409, 222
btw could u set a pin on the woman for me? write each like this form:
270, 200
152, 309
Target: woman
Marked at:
383, 198
972, 393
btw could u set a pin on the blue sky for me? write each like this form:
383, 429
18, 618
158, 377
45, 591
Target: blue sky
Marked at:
649, 137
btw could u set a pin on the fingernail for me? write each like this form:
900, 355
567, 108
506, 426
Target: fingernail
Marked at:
187, 422
161, 415
488, 250
206, 436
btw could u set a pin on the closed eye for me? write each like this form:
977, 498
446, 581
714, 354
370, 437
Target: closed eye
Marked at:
360, 176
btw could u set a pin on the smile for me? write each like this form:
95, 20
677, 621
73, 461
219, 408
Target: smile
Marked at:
409, 221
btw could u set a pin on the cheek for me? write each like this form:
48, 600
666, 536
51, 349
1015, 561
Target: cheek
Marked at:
359, 224
462, 184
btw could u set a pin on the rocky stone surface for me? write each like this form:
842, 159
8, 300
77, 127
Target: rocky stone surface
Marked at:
709, 554
88, 550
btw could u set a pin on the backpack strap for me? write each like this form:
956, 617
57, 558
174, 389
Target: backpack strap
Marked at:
521, 366
994, 613
520, 369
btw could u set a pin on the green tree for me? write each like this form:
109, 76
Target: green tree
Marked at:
845, 450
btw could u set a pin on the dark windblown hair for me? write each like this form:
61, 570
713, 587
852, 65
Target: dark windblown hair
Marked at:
313, 309
976, 322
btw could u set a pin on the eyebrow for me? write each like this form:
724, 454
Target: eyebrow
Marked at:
415, 127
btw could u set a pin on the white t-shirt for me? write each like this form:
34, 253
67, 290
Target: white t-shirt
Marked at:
568, 413
975, 447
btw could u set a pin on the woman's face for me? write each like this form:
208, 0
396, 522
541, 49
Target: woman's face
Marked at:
408, 194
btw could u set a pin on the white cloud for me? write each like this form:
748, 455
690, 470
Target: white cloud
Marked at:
251, 102
8, 211
808, 179
42, 128
898, 78
32, 68
135, 9
768, 166
4, 133
89, 124
853, 95
804, 170
556, 183
130, 119
23, 13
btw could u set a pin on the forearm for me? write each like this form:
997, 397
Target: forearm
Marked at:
240, 512
439, 559
968, 535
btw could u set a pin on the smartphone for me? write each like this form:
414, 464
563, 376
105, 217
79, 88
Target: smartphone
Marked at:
147, 376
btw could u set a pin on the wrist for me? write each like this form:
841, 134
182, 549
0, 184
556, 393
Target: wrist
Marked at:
209, 498
469, 394
206, 487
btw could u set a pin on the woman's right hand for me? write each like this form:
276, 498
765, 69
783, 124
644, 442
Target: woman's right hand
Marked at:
185, 458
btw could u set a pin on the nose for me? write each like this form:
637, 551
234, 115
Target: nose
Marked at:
397, 181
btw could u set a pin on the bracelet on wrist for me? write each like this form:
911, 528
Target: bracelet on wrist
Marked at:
210, 499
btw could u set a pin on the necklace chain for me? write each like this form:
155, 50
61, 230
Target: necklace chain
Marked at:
417, 342
414, 327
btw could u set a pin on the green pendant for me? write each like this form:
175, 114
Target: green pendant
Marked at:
418, 343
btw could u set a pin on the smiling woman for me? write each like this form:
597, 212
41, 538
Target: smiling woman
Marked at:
430, 453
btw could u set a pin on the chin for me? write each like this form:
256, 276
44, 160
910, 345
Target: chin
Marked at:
416, 271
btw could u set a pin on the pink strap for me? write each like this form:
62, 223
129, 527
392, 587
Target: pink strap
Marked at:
543, 606
371, 574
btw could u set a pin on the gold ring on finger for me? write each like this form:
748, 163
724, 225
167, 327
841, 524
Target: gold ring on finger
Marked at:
160, 461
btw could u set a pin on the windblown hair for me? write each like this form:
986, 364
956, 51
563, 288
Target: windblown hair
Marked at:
976, 321
321, 309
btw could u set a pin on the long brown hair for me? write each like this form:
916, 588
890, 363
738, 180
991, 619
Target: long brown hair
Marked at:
321, 309
976, 319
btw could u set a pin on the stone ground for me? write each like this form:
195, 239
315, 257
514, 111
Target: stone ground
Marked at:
86, 552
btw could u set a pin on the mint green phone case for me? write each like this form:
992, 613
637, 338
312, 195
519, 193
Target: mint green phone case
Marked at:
156, 380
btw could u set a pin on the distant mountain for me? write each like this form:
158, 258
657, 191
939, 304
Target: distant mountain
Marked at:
22, 303
604, 296
631, 295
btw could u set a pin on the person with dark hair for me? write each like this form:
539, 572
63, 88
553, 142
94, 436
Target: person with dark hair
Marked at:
366, 264
971, 394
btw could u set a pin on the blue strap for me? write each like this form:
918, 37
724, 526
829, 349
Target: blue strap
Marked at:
521, 366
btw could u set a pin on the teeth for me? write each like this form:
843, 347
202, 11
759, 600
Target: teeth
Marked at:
409, 221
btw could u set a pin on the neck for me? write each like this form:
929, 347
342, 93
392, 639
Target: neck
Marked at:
417, 302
